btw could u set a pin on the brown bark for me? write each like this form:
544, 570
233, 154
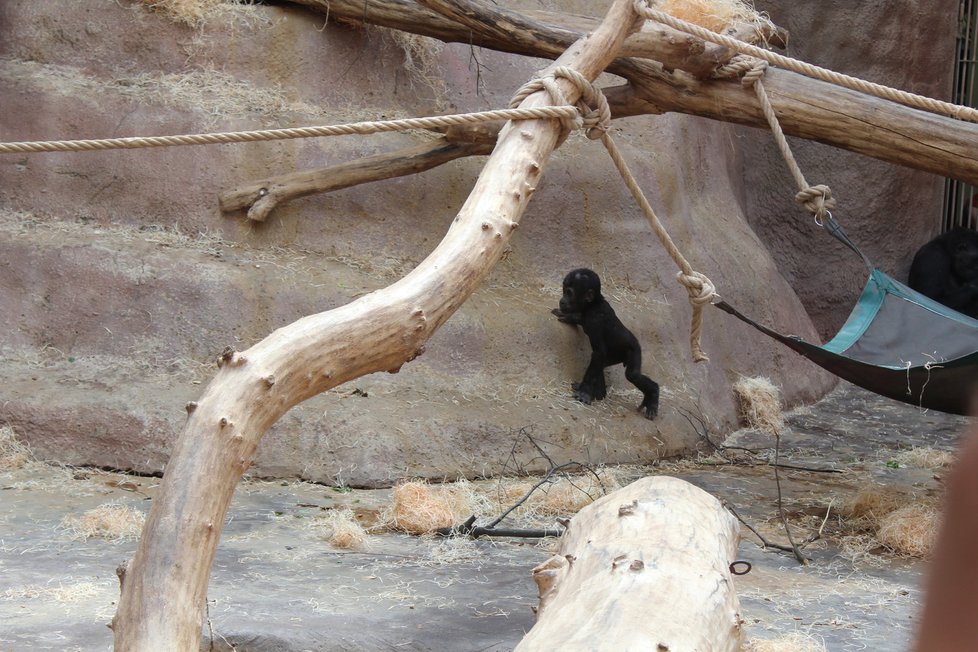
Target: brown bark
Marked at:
806, 108
536, 33
166, 582
646, 567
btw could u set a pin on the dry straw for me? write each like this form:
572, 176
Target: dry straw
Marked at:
715, 15
113, 521
792, 642
13, 454
760, 404
342, 530
419, 508
887, 517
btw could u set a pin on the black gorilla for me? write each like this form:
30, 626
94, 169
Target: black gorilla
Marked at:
946, 270
611, 342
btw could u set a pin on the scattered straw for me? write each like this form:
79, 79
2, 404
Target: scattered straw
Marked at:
63, 593
923, 457
13, 453
714, 15
112, 521
342, 529
872, 503
792, 642
760, 404
194, 12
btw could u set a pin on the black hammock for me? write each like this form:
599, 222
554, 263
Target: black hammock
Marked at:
897, 343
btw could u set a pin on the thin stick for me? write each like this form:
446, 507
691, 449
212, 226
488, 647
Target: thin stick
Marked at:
784, 519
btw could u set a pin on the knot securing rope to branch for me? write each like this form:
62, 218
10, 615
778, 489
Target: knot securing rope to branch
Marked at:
593, 112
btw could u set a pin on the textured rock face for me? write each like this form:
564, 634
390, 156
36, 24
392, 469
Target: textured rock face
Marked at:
121, 281
888, 211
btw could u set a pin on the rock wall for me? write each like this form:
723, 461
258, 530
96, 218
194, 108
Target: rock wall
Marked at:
121, 280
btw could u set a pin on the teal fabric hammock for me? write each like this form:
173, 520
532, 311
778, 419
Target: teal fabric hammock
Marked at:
897, 343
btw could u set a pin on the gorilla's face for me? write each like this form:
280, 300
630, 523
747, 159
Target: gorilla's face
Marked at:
964, 260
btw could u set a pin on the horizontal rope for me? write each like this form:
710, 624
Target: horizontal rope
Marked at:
222, 138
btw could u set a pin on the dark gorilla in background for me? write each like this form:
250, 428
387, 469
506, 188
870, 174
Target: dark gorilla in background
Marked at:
946, 270
611, 343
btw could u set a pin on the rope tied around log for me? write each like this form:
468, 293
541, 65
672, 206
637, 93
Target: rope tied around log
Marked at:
645, 9
817, 199
595, 119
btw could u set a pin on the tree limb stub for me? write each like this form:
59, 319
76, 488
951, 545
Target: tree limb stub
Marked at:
261, 197
166, 583
807, 108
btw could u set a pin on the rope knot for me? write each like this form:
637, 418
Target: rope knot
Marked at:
817, 199
594, 114
754, 73
701, 292
701, 289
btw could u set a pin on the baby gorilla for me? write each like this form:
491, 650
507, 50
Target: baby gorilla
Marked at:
611, 342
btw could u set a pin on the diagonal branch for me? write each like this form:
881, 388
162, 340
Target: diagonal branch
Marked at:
166, 583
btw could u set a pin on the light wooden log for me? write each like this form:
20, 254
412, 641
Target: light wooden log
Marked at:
166, 583
645, 568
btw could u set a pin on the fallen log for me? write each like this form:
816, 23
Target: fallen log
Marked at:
646, 568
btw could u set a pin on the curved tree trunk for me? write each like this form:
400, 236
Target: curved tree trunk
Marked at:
164, 588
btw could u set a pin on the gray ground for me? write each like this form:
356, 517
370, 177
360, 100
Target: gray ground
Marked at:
278, 585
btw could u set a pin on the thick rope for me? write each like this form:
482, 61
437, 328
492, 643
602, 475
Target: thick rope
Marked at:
596, 119
434, 122
878, 90
817, 199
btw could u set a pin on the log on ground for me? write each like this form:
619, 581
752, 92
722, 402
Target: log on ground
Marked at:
646, 567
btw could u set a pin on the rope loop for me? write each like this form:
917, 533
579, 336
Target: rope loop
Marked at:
818, 200
548, 84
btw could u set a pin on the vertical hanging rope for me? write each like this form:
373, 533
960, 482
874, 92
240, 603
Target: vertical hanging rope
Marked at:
817, 199
596, 117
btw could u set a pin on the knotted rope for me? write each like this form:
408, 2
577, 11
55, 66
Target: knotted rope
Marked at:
644, 9
817, 199
596, 118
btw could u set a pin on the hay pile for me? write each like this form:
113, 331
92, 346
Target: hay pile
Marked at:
113, 521
13, 454
885, 517
715, 15
760, 404
420, 508
341, 528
